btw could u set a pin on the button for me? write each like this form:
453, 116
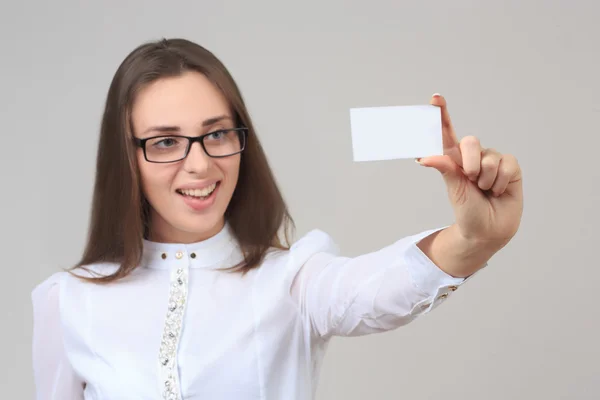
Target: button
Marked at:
425, 306
442, 296
453, 288
193, 255
178, 255
163, 256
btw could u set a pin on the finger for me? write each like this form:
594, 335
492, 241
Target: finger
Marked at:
448, 134
470, 149
508, 172
490, 163
452, 174
443, 164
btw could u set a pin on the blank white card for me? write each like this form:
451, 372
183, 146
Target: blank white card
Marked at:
387, 133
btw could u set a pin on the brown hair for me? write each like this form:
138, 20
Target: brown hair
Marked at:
120, 213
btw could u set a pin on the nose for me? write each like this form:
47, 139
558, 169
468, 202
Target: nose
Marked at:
197, 161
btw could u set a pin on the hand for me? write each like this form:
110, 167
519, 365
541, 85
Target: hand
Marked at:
484, 186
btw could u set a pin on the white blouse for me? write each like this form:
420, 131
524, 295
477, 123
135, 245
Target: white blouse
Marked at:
182, 328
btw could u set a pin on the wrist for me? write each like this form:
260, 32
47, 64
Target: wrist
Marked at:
456, 255
473, 244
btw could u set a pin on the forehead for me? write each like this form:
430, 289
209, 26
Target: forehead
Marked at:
184, 101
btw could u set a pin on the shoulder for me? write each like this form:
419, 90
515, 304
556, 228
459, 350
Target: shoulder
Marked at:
61, 298
49, 287
46, 303
58, 282
95, 270
310, 244
314, 242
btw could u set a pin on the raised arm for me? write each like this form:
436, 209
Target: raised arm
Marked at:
371, 293
390, 287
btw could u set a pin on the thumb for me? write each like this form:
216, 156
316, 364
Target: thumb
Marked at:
451, 171
444, 164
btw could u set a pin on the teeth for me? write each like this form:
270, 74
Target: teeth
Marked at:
199, 192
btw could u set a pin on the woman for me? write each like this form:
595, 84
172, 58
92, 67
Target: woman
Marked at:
186, 288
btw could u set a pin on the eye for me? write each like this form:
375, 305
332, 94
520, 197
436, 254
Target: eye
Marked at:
216, 135
163, 143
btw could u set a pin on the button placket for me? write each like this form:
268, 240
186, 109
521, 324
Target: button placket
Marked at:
178, 290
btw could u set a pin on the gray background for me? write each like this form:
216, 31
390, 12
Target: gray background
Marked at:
521, 75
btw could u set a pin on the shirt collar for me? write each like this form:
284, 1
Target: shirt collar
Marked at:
217, 252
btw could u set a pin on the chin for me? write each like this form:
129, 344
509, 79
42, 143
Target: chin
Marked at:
203, 226
190, 218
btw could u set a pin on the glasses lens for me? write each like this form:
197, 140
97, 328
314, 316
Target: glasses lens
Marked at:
166, 148
224, 142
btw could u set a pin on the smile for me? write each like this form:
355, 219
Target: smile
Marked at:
198, 193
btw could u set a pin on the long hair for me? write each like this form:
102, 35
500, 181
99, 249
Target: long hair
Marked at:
257, 213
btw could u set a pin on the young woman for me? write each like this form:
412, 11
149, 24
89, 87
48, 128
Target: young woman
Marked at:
187, 288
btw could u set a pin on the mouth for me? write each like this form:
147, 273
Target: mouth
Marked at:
199, 194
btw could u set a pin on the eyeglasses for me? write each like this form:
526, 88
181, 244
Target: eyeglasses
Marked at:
173, 148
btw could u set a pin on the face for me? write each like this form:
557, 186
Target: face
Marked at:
188, 198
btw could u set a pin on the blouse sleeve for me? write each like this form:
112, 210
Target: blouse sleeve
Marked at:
374, 292
53, 376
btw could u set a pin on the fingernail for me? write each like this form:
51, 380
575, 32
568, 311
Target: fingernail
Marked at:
436, 95
418, 161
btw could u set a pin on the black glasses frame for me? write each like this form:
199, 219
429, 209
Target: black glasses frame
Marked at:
191, 140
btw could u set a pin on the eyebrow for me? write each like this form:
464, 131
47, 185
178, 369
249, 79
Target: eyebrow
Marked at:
173, 128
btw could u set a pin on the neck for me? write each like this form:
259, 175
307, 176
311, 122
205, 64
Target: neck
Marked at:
162, 232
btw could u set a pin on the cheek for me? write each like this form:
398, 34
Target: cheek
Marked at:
156, 180
230, 168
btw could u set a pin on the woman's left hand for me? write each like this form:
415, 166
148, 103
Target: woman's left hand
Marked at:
484, 185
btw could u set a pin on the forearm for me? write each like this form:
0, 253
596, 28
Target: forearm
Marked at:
373, 292
455, 255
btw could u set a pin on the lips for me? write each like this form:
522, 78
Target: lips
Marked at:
201, 197
198, 192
